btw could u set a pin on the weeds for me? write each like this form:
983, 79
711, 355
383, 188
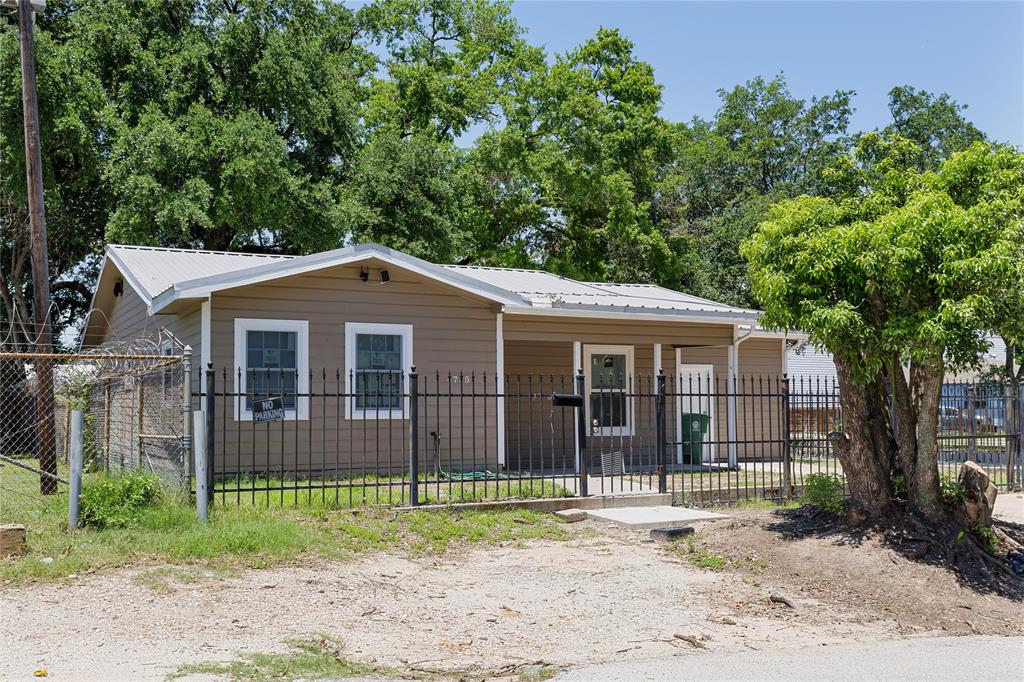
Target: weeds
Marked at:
702, 559
824, 491
538, 674
987, 537
117, 501
311, 658
952, 489
698, 556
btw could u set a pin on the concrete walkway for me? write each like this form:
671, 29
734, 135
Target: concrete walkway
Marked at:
1009, 507
943, 659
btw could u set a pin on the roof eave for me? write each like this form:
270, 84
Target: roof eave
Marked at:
651, 314
202, 287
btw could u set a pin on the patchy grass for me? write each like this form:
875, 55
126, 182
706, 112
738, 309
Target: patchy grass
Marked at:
703, 559
167, 532
761, 503
312, 658
699, 555
538, 674
359, 491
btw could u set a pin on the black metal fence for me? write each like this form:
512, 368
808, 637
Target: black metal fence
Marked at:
424, 438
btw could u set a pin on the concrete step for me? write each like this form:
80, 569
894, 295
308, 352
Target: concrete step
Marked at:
649, 517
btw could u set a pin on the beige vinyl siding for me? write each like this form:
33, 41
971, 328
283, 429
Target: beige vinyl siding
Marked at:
614, 331
185, 326
538, 435
128, 318
760, 420
452, 332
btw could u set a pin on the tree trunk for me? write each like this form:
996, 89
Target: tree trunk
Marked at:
905, 428
923, 492
863, 448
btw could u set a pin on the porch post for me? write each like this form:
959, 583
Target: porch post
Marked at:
499, 386
734, 362
577, 365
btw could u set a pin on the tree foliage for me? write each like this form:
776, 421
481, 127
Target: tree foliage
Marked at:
432, 126
899, 275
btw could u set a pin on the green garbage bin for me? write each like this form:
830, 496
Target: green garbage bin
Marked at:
695, 428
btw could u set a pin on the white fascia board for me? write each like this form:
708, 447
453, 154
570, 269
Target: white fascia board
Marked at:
127, 275
110, 256
204, 286
604, 312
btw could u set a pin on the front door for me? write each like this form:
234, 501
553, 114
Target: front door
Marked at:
696, 395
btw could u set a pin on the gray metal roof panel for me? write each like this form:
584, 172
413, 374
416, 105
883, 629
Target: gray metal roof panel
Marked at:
157, 269
547, 288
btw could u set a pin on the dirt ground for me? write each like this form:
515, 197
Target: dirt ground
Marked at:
607, 594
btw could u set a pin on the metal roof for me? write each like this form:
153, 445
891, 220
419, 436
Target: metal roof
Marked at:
164, 275
153, 270
544, 289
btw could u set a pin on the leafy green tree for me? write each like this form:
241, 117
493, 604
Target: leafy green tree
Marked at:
762, 146
934, 122
236, 119
574, 175
899, 276
445, 68
75, 125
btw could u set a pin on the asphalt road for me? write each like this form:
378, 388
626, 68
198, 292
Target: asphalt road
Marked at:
953, 659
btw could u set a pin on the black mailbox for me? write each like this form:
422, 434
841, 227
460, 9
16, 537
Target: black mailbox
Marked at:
566, 400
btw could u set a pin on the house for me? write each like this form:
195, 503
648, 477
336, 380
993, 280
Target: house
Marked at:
337, 334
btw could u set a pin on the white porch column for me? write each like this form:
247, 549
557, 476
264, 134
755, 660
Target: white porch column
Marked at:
734, 364
500, 385
657, 362
577, 364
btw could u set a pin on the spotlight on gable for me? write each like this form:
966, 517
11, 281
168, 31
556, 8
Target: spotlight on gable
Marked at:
364, 274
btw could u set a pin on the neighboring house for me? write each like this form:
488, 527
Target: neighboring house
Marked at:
803, 360
372, 313
808, 364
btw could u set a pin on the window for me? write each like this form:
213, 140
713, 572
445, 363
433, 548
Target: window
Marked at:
608, 377
377, 358
272, 358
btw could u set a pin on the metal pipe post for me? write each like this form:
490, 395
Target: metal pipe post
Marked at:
202, 494
75, 475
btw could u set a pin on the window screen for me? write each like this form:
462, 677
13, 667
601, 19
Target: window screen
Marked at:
271, 366
378, 371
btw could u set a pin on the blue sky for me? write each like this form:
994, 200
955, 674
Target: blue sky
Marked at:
972, 50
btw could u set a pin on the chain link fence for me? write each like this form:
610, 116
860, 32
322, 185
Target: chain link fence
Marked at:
133, 398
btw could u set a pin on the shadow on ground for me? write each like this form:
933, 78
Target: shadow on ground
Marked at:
948, 547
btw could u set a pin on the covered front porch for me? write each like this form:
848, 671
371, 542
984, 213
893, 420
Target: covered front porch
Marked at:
710, 373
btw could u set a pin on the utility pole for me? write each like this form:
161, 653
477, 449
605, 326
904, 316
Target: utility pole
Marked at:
45, 431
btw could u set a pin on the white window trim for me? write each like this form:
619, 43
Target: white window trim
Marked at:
353, 328
301, 329
588, 351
